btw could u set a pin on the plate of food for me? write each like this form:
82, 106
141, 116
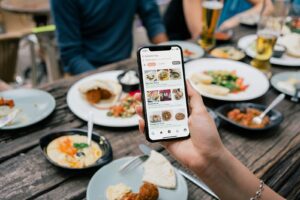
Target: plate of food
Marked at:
102, 94
31, 106
69, 150
154, 179
190, 50
285, 82
241, 114
227, 52
291, 42
226, 80
224, 36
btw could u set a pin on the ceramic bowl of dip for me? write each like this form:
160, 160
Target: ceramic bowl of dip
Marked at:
129, 80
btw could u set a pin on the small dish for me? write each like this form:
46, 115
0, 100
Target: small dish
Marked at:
284, 82
34, 106
228, 52
109, 175
100, 140
278, 50
275, 116
224, 36
129, 75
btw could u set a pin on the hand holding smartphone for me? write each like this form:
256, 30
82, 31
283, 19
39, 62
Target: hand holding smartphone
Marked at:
164, 93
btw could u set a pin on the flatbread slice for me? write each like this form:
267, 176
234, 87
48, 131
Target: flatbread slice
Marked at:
159, 171
112, 86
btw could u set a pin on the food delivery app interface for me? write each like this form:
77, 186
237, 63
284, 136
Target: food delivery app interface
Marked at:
165, 98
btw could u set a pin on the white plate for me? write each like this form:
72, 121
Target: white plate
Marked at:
257, 81
80, 107
245, 44
199, 52
109, 175
284, 76
34, 105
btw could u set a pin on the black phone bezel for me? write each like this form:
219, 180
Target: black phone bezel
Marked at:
159, 48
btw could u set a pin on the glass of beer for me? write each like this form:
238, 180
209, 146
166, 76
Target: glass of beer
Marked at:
269, 29
211, 10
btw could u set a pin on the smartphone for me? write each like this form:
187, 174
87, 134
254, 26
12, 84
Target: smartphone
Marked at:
164, 93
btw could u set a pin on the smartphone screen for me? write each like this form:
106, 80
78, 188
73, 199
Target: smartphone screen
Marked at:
164, 92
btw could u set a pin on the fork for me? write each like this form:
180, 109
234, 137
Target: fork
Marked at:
131, 164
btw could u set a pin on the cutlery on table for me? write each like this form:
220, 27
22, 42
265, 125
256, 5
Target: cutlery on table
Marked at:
275, 102
147, 150
295, 98
131, 164
90, 127
8, 118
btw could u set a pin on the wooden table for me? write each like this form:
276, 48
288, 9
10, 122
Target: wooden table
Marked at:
26, 174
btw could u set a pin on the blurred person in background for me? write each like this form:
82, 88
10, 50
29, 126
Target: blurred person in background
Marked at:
94, 33
183, 17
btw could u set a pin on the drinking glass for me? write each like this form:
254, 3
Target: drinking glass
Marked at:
269, 29
211, 10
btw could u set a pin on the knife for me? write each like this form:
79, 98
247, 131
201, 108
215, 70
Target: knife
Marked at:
147, 150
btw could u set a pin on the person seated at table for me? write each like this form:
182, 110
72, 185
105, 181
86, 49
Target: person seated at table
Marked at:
183, 17
205, 154
94, 33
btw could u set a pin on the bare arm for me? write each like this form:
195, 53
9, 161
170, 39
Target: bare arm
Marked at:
205, 154
150, 16
162, 37
230, 179
192, 13
255, 10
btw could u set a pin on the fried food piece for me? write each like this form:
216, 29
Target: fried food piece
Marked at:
7, 102
148, 191
93, 96
105, 94
131, 196
245, 117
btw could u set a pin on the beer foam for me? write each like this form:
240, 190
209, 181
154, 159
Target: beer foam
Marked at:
266, 33
213, 5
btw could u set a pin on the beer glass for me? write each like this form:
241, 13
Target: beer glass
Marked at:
211, 10
269, 29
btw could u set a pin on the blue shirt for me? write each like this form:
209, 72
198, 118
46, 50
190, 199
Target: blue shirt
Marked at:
232, 8
92, 33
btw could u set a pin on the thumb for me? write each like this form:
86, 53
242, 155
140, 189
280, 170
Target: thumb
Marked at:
196, 102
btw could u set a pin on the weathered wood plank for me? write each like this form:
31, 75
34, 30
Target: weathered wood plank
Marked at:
25, 176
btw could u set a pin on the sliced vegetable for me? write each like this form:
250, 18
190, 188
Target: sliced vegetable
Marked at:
80, 145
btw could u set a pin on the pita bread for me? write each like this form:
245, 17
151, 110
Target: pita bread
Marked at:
159, 171
201, 78
292, 44
112, 86
213, 89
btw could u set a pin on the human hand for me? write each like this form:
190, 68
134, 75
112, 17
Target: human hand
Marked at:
230, 23
203, 146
